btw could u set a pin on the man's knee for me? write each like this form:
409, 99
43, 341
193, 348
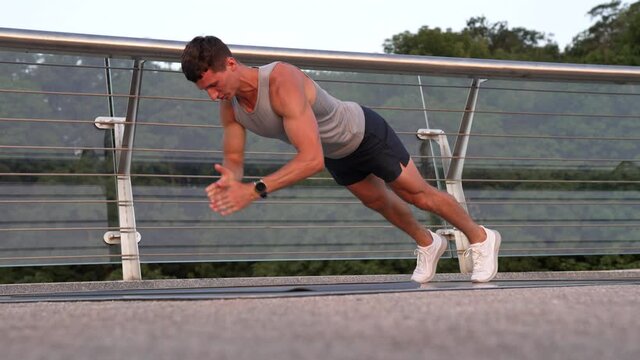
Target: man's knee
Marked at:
377, 203
422, 200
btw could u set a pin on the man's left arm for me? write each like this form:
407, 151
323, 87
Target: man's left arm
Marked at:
289, 100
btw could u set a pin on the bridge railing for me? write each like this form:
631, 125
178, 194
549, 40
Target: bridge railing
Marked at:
105, 150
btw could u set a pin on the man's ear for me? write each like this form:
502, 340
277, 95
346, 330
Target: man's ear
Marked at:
231, 63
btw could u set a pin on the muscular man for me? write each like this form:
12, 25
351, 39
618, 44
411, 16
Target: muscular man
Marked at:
355, 144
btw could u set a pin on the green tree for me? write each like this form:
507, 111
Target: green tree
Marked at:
613, 39
479, 39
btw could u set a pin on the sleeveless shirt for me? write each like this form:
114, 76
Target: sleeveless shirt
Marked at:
340, 123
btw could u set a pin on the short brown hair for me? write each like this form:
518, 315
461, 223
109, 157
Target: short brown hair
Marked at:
203, 53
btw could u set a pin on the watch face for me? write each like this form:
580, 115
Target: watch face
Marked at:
261, 187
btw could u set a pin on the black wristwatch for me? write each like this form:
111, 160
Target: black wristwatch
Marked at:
260, 188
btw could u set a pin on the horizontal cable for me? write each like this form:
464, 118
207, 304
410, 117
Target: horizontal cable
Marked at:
300, 227
548, 181
139, 175
581, 92
99, 67
197, 151
556, 202
408, 252
190, 227
315, 202
297, 227
72, 93
4, 119
58, 257
413, 133
356, 243
573, 249
60, 201
142, 255
58, 174
254, 227
527, 136
90, 228
569, 224
310, 252
357, 202
325, 178
82, 66
196, 254
510, 158
140, 149
467, 87
290, 253
92, 122
393, 108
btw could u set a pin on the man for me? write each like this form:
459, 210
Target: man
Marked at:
355, 144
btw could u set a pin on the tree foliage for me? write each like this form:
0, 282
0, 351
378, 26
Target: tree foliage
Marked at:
479, 39
614, 38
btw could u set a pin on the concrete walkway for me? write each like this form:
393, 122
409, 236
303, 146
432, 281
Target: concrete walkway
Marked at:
585, 322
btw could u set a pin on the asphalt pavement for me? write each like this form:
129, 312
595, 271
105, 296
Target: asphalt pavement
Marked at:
584, 321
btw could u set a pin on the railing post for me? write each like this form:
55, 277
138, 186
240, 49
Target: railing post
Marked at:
128, 241
452, 164
462, 140
127, 237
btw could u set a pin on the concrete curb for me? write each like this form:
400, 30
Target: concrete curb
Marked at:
14, 289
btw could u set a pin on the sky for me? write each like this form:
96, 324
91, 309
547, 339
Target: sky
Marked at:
339, 25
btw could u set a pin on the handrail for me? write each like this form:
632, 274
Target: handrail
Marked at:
166, 50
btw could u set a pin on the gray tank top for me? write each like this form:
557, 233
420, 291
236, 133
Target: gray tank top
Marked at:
340, 123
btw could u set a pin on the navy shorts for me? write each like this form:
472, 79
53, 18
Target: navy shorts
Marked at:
380, 153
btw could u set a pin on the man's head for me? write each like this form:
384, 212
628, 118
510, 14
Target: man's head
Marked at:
204, 53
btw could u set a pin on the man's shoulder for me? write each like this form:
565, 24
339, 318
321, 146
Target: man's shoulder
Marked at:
284, 71
227, 113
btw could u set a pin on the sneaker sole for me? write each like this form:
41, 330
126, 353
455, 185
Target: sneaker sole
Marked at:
496, 250
443, 247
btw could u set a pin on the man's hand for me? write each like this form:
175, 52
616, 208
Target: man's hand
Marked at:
228, 195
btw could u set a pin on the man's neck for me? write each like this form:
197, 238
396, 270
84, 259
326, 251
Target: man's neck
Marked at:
247, 93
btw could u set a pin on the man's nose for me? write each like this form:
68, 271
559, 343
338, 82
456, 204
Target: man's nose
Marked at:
213, 94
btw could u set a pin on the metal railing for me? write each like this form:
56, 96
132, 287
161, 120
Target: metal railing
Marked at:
551, 158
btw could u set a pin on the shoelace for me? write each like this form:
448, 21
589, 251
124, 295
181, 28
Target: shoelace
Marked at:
421, 256
478, 260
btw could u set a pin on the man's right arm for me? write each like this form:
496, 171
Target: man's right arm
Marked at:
233, 140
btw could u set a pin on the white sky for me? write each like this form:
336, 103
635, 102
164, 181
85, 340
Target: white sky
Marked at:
341, 25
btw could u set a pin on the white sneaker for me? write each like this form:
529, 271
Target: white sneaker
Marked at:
485, 257
428, 259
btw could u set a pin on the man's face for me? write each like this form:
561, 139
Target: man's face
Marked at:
216, 84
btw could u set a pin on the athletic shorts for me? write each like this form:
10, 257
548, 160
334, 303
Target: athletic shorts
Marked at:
380, 153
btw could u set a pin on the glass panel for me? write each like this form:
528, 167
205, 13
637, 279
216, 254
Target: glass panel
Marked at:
59, 212
561, 176
554, 166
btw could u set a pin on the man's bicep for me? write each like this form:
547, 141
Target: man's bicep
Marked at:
289, 100
302, 131
233, 139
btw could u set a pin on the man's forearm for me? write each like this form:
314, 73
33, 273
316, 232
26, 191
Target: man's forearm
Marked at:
237, 167
295, 170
